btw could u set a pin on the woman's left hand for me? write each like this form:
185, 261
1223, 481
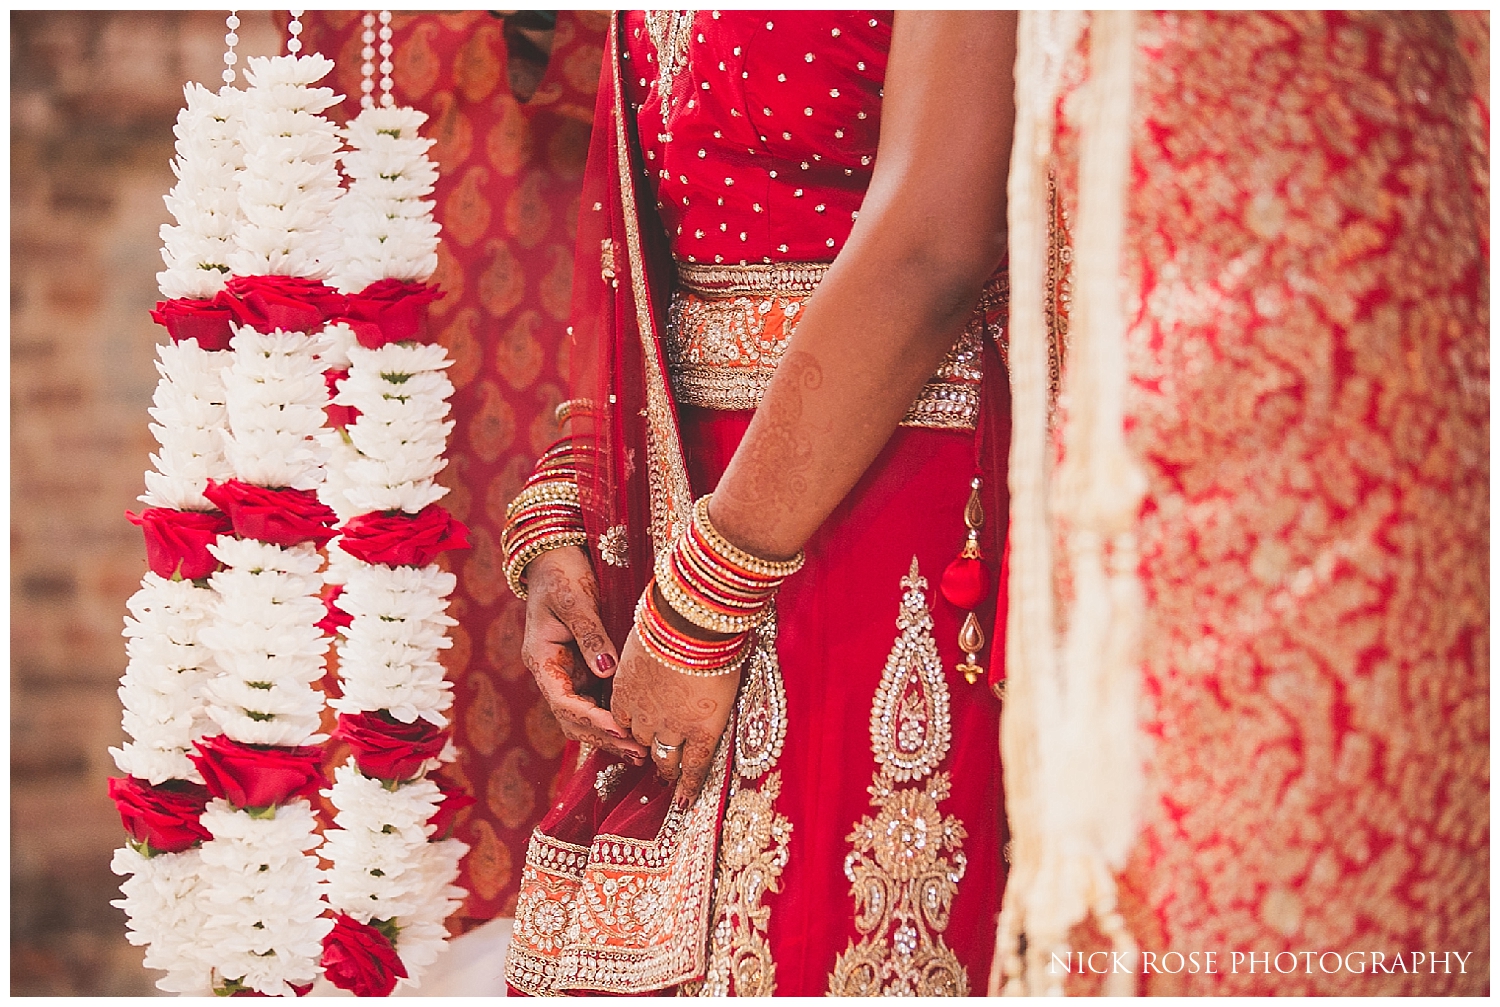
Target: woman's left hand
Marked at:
662, 707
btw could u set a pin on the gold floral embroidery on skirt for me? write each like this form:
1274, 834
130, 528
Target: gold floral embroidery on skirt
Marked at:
754, 845
908, 858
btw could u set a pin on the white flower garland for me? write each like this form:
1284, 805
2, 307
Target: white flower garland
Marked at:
162, 690
388, 659
385, 225
275, 397
204, 201
402, 431
188, 408
265, 919
384, 865
265, 916
165, 907
290, 182
267, 644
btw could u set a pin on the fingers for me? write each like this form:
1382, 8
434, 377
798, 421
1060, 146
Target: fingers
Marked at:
582, 620
697, 754
581, 720
667, 755
642, 731
572, 596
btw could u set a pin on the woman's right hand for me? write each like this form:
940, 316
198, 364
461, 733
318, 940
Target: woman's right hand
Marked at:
567, 649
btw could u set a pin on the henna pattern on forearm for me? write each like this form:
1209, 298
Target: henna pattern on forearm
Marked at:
769, 476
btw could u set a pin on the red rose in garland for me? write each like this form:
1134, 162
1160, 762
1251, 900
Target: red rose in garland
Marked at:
386, 749
177, 541
400, 539
338, 416
288, 303
335, 618
163, 817
389, 311
189, 318
453, 801
359, 958
258, 776
282, 517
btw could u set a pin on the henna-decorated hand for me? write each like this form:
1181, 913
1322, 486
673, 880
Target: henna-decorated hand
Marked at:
656, 703
568, 651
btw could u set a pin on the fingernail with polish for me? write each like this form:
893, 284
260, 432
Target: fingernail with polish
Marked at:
605, 662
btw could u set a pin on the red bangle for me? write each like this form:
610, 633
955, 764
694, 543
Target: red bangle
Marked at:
685, 654
545, 515
715, 585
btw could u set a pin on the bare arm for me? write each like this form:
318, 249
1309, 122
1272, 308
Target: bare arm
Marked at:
930, 232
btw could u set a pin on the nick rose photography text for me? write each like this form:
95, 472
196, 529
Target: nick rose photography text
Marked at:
1260, 962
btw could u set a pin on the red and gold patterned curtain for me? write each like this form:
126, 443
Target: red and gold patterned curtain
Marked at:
507, 200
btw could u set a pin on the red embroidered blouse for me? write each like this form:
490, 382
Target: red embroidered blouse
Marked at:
760, 137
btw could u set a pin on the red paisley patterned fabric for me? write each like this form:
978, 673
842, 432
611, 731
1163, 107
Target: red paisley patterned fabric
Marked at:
1307, 266
507, 200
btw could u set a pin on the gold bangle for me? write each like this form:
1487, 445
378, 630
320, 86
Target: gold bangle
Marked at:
567, 408
550, 491
695, 613
731, 553
516, 565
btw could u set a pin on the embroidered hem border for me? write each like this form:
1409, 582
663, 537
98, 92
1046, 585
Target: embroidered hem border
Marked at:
566, 938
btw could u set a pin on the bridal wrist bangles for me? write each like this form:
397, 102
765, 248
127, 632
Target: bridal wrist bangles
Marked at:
682, 653
545, 515
714, 585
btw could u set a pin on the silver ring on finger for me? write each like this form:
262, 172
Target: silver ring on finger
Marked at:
664, 751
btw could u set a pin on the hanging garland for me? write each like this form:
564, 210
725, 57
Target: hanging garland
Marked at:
162, 797
266, 916
286, 407
393, 862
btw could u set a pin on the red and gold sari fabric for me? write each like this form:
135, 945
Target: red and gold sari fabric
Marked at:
1306, 268
849, 840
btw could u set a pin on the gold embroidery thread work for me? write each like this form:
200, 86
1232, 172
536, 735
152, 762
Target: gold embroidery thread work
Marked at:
729, 326
908, 858
669, 31
754, 847
607, 261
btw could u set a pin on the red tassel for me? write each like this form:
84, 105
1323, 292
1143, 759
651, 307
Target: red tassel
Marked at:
966, 583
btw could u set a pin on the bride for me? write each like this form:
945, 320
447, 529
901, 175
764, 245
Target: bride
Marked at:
758, 572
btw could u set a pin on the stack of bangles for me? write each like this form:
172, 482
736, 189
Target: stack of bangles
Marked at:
544, 515
715, 586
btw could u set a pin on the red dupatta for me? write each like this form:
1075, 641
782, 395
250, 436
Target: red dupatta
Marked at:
615, 891
634, 484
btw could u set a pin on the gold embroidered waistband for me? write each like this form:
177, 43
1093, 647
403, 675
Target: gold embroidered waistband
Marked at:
728, 327
761, 278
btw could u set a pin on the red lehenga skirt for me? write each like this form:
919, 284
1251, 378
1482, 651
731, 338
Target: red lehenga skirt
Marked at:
850, 838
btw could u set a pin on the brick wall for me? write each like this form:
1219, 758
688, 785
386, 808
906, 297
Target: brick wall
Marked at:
93, 99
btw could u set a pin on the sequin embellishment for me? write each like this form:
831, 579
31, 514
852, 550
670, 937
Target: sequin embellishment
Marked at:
754, 847
908, 858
